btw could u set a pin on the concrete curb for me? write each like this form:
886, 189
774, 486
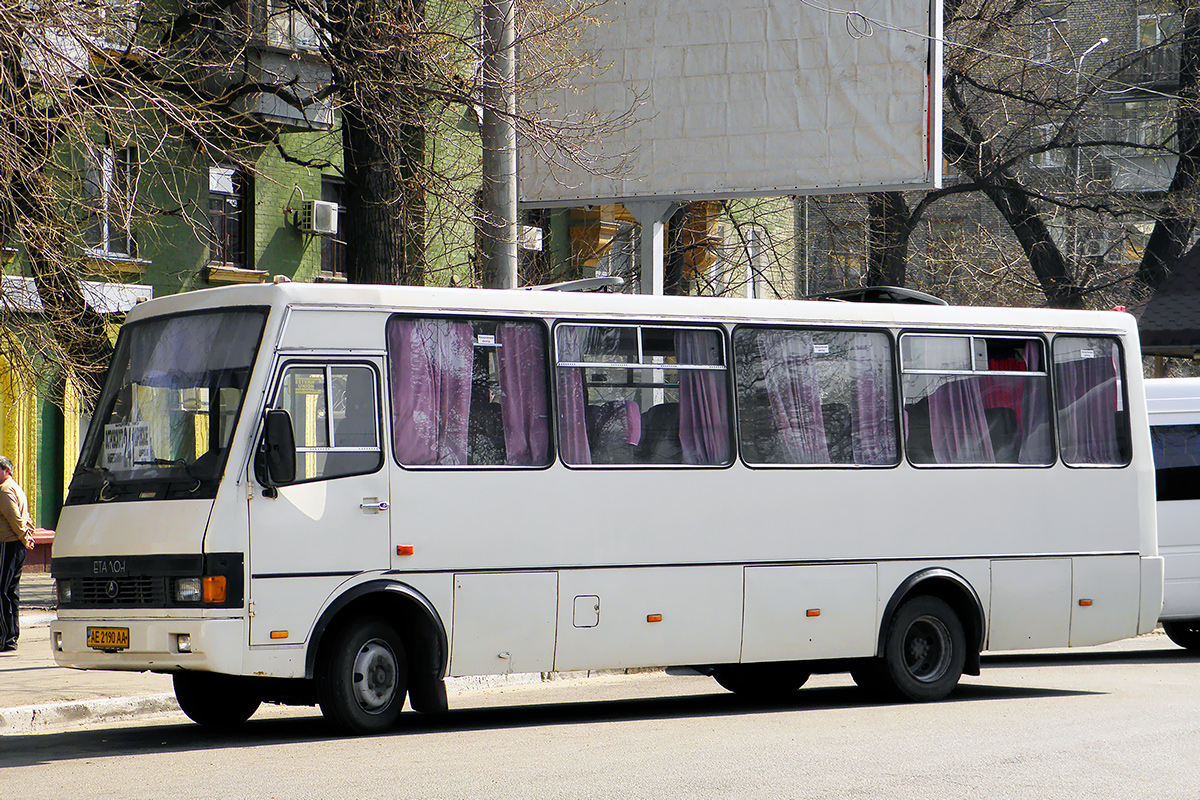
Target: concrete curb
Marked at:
77, 713
54, 716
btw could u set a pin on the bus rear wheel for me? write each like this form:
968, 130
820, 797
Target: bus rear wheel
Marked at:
1183, 632
215, 701
767, 681
363, 678
925, 650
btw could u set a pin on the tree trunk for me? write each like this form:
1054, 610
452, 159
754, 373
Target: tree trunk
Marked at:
888, 235
1174, 225
382, 143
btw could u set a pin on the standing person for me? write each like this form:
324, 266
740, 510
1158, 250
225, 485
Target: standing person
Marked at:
16, 536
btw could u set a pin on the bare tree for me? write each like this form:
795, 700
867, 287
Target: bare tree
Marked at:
86, 83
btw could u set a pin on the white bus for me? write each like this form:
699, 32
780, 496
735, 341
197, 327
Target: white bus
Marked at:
1174, 408
342, 495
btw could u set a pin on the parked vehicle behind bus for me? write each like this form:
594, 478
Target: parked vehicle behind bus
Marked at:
342, 495
1174, 408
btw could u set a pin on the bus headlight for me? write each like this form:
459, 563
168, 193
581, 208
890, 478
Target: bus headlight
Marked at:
64, 591
187, 590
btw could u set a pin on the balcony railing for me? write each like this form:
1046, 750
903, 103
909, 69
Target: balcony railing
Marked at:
1151, 66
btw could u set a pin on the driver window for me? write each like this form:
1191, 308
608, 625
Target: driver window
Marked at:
335, 419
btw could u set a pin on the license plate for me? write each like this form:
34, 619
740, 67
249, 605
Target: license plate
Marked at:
108, 638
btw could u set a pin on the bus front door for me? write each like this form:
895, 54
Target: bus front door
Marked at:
332, 523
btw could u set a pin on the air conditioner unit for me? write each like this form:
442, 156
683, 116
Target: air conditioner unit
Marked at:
319, 217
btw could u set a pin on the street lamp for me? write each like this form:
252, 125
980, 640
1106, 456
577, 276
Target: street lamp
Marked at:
1103, 40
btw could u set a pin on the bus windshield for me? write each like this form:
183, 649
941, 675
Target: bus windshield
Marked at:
165, 417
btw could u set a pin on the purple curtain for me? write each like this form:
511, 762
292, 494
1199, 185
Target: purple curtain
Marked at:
703, 400
523, 403
1088, 398
572, 404
1035, 412
431, 389
957, 424
790, 375
873, 431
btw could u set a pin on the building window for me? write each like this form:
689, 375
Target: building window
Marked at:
1049, 42
333, 248
288, 28
1048, 159
227, 192
847, 248
1158, 22
110, 185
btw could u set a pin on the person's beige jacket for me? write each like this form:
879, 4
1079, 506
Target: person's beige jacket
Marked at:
15, 523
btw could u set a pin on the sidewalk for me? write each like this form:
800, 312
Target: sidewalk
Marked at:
36, 694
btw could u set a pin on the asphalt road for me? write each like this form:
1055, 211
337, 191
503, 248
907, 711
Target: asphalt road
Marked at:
1120, 721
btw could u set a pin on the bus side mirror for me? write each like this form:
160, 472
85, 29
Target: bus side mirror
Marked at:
278, 451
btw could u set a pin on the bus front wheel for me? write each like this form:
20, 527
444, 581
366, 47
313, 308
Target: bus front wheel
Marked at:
215, 701
1183, 632
925, 650
364, 677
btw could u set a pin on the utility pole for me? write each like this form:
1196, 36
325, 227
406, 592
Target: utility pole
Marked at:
499, 145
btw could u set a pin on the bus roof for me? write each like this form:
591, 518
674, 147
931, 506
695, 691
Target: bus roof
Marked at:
605, 305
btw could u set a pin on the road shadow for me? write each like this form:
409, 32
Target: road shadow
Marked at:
127, 739
1074, 658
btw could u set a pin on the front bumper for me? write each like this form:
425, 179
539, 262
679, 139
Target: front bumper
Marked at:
216, 645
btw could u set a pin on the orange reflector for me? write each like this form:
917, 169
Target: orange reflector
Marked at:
213, 588
654, 618
405, 549
1085, 602
279, 634
813, 612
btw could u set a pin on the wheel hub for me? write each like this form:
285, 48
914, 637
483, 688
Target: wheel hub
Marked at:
374, 676
927, 649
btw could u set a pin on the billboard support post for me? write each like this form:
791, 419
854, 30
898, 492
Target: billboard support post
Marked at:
652, 219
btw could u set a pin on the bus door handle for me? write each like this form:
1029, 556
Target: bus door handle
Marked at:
372, 504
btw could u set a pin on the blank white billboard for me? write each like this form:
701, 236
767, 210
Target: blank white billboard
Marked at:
754, 97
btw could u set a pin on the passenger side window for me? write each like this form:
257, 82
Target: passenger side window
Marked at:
1176, 461
632, 394
335, 419
1093, 421
469, 392
975, 400
815, 396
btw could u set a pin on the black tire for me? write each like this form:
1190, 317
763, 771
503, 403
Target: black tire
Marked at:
215, 701
1183, 632
767, 681
363, 677
925, 650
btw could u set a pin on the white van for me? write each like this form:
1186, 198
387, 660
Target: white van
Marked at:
1174, 408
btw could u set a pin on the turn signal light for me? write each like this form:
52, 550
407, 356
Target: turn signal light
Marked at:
279, 634
214, 589
1085, 602
813, 612
405, 549
654, 618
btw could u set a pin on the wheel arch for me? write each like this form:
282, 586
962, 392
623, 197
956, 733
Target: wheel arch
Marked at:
957, 592
412, 613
